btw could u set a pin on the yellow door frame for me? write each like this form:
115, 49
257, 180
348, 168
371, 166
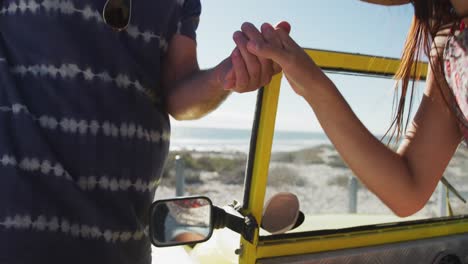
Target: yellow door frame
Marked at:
309, 243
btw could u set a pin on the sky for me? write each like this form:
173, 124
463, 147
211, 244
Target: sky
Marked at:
338, 25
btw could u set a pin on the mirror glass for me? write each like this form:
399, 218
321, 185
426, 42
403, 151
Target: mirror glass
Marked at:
181, 221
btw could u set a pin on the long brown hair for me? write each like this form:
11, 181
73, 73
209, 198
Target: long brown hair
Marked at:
430, 17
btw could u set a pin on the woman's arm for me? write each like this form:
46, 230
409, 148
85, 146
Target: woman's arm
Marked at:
403, 180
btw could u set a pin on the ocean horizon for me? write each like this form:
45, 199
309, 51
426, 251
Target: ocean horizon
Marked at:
238, 139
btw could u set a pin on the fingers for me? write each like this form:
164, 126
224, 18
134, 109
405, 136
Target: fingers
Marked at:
240, 71
276, 44
286, 40
285, 26
268, 50
229, 79
266, 65
257, 55
283, 29
271, 37
247, 66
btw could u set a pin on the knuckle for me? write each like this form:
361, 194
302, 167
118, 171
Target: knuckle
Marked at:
267, 68
267, 76
254, 80
276, 68
242, 81
283, 34
272, 39
241, 89
255, 75
244, 89
261, 45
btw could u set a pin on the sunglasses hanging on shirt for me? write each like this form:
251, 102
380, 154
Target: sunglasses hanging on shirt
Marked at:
117, 14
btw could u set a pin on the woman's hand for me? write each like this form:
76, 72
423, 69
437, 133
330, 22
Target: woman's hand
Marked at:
278, 46
247, 71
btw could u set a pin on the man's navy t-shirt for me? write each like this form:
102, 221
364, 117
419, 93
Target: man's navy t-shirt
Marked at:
83, 129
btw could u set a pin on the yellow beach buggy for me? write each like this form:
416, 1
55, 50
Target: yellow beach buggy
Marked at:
316, 239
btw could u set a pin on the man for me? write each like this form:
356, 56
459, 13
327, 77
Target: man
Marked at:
85, 92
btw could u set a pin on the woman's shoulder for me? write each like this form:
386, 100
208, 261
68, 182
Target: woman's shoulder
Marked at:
441, 39
456, 74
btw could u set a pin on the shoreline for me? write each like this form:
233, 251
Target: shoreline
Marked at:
317, 175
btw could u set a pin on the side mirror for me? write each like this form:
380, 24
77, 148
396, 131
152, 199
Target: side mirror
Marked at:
191, 220
181, 221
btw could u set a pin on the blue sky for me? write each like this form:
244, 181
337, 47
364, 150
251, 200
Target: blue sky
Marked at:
341, 25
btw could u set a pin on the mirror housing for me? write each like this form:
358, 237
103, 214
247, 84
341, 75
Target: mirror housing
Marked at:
181, 221
281, 213
191, 220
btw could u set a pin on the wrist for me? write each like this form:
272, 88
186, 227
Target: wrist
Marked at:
220, 72
318, 81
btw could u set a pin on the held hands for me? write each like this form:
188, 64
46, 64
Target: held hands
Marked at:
247, 72
261, 54
277, 45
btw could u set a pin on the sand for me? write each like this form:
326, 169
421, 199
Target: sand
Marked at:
324, 188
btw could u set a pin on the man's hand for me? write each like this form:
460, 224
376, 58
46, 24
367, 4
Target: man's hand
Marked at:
250, 72
191, 93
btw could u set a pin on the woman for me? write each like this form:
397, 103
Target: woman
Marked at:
404, 179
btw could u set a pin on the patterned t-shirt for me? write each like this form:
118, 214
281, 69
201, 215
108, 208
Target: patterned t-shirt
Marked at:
456, 74
83, 129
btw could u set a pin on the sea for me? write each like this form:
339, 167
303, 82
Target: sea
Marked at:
238, 140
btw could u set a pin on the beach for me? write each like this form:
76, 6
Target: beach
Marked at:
315, 174
306, 165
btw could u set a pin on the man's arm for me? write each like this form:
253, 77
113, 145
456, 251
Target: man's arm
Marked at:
190, 92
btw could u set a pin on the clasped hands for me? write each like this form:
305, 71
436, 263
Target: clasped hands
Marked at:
244, 71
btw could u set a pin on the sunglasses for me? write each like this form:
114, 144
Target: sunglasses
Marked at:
117, 14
